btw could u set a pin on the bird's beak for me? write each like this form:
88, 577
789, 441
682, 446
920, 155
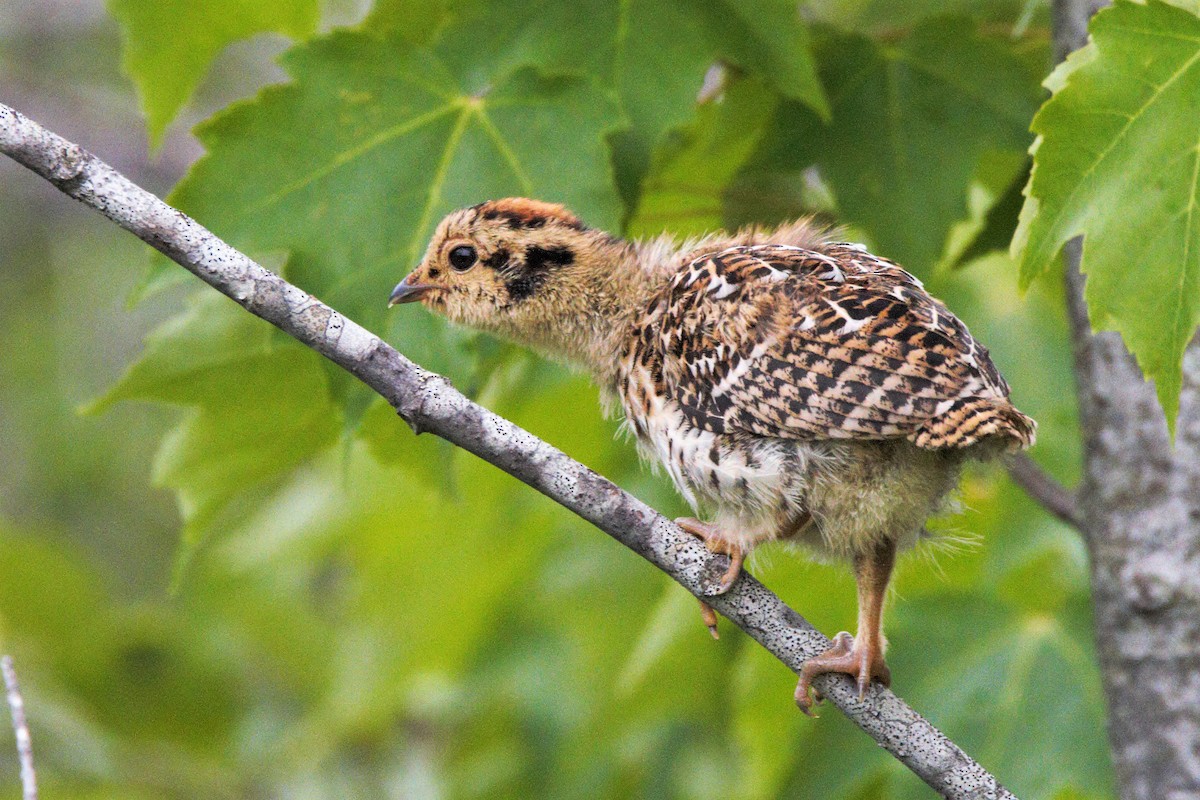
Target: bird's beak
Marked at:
406, 292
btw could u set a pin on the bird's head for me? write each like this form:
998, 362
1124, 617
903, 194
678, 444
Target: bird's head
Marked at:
502, 264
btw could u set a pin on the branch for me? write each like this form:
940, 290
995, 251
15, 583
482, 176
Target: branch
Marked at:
16, 705
427, 402
1060, 501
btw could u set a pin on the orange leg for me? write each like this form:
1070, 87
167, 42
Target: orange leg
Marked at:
709, 534
859, 657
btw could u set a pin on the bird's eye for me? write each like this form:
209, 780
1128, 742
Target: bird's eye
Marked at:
463, 257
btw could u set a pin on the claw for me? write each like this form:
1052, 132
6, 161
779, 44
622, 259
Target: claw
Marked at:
861, 663
710, 618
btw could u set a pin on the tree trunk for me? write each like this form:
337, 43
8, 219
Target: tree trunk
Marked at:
1140, 500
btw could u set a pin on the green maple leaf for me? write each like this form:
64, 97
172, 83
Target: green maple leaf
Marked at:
170, 44
347, 170
911, 121
652, 54
350, 167
259, 407
1117, 160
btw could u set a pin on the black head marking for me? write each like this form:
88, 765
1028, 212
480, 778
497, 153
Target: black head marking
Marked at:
524, 286
497, 260
514, 219
520, 213
539, 259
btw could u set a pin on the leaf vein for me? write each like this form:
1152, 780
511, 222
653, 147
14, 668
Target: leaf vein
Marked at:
346, 156
502, 146
1120, 135
1153, 33
439, 179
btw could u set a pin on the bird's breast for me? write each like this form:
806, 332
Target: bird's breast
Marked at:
745, 475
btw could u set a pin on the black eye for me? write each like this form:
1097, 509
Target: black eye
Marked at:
463, 257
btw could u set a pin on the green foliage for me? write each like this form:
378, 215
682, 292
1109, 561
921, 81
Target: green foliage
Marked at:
260, 407
170, 44
683, 192
884, 18
405, 133
361, 612
651, 54
911, 120
1117, 160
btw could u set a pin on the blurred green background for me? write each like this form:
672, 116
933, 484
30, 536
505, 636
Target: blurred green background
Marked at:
378, 615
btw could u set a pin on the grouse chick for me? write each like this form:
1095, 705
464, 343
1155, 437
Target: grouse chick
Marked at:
794, 388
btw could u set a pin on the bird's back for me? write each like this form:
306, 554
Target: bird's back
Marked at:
820, 341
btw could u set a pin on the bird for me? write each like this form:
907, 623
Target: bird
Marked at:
794, 387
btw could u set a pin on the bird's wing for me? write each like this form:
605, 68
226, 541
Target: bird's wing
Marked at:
789, 342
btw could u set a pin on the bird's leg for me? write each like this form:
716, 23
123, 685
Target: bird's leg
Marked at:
859, 657
707, 533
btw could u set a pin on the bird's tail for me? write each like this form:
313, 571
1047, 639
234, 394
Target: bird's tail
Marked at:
971, 420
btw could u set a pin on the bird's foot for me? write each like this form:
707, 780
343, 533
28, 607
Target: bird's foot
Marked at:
861, 663
708, 533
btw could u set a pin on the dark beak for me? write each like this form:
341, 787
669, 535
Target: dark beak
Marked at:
406, 292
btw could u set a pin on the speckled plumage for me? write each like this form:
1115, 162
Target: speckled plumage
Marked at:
835, 343
762, 373
793, 388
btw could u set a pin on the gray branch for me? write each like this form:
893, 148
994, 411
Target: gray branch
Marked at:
428, 402
1060, 501
16, 707
1140, 498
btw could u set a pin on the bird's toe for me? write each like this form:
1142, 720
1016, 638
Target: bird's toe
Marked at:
862, 663
711, 536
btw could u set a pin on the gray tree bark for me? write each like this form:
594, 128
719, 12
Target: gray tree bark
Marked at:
1140, 506
428, 402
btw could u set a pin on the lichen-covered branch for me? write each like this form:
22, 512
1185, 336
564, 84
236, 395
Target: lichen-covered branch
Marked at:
429, 403
16, 707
